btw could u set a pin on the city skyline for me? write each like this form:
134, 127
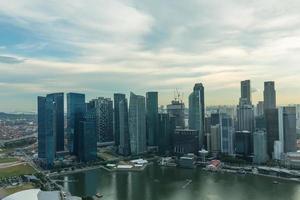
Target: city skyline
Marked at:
81, 47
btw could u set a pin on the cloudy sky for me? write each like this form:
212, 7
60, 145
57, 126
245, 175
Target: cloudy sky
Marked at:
100, 47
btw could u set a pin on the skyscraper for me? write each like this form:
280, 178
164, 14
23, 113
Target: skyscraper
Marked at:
152, 117
124, 144
50, 127
260, 147
75, 113
226, 133
287, 128
104, 119
260, 108
57, 100
166, 128
87, 142
271, 118
137, 124
246, 91
196, 111
117, 99
269, 95
245, 117
176, 109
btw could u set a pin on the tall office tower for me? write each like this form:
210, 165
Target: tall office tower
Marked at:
245, 116
137, 124
57, 101
117, 99
298, 115
176, 109
243, 143
287, 128
50, 127
152, 117
269, 95
215, 139
260, 108
104, 119
46, 151
166, 128
245, 113
196, 112
226, 133
271, 117
260, 123
215, 118
260, 147
124, 144
246, 91
75, 113
185, 141
87, 142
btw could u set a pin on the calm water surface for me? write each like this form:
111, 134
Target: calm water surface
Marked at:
158, 183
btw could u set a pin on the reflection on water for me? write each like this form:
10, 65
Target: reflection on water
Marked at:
157, 183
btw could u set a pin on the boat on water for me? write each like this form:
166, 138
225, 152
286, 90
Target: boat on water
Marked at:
98, 195
275, 182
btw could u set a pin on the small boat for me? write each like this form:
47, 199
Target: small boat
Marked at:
275, 182
99, 195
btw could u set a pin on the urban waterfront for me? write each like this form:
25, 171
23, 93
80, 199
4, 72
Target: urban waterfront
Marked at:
161, 183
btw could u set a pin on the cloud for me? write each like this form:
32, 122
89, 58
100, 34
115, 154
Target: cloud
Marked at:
10, 59
100, 47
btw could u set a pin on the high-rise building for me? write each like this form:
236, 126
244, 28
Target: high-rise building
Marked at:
260, 123
226, 133
57, 101
75, 113
246, 91
245, 117
196, 112
124, 143
243, 143
117, 99
271, 117
50, 127
152, 117
215, 139
87, 142
260, 108
137, 124
166, 128
260, 147
245, 113
185, 141
287, 128
176, 109
104, 119
269, 95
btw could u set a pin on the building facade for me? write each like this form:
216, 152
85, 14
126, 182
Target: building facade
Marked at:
124, 144
137, 124
196, 112
117, 99
269, 95
152, 117
50, 127
75, 113
104, 119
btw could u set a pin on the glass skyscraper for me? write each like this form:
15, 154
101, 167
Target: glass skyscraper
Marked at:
50, 127
151, 117
196, 112
137, 124
117, 99
75, 112
124, 144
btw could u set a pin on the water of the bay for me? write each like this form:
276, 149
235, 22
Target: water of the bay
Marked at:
160, 183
